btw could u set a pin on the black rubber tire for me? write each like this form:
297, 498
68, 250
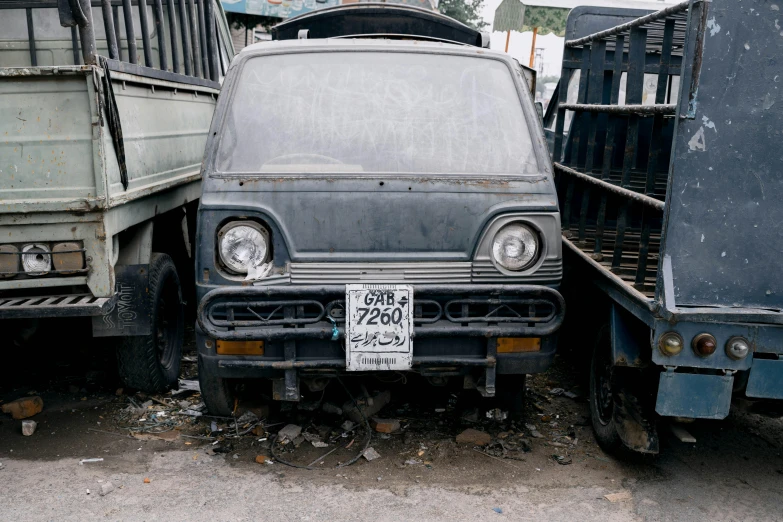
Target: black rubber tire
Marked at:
511, 392
601, 398
217, 393
151, 363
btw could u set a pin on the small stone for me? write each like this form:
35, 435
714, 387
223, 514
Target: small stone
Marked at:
261, 459
556, 391
370, 454
347, 425
618, 497
146, 480
385, 425
146, 404
289, 432
24, 407
535, 434
106, 488
476, 437
28, 427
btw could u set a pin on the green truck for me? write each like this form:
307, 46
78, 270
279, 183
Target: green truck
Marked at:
104, 112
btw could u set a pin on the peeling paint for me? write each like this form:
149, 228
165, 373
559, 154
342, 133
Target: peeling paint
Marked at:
713, 26
697, 142
708, 123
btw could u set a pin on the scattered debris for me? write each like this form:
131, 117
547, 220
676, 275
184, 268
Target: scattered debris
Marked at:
562, 460
412, 462
618, 497
369, 406
385, 425
475, 437
28, 427
186, 385
106, 488
289, 433
556, 391
24, 407
263, 459
168, 436
328, 407
497, 415
147, 480
347, 425
83, 461
497, 510
319, 444
681, 433
370, 454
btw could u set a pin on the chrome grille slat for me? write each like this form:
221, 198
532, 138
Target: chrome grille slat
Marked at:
481, 271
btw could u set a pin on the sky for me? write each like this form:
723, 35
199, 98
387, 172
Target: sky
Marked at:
519, 44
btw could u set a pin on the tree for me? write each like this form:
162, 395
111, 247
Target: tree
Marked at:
466, 11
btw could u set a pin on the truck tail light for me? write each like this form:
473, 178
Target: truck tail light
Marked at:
670, 343
67, 258
704, 344
9, 261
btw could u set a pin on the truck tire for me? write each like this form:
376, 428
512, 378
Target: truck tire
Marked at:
151, 362
217, 393
601, 393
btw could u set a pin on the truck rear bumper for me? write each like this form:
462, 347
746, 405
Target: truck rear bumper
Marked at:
71, 305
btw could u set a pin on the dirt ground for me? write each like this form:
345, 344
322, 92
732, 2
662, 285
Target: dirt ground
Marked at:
204, 471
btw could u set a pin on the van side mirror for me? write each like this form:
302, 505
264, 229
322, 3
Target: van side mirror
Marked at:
540, 111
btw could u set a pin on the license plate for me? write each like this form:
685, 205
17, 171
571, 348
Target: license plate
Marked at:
378, 327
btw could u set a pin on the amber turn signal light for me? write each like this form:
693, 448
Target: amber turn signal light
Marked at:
240, 347
519, 344
704, 344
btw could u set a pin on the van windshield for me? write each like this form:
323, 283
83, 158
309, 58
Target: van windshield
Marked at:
375, 112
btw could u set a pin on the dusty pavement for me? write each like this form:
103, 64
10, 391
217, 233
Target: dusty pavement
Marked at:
733, 472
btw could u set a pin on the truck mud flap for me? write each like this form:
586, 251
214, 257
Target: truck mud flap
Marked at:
766, 379
694, 395
131, 313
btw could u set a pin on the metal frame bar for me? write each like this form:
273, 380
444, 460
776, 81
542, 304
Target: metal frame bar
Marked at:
160, 28
31, 37
173, 36
145, 34
623, 28
130, 32
325, 332
109, 27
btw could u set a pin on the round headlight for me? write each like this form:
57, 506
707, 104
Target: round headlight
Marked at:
36, 259
515, 247
242, 244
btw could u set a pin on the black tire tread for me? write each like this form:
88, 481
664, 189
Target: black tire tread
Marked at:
137, 358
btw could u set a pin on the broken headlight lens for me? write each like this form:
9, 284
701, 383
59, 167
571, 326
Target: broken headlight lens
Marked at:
242, 245
515, 247
36, 259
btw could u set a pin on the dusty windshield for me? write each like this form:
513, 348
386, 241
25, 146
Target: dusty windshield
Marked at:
376, 112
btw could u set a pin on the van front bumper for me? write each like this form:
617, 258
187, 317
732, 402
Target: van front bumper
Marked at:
455, 327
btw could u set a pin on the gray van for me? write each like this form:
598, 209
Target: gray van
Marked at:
376, 205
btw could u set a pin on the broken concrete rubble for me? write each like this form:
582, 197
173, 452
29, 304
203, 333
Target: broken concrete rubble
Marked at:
385, 425
289, 433
24, 407
369, 406
475, 437
28, 427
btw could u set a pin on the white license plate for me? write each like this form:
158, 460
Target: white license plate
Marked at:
378, 327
